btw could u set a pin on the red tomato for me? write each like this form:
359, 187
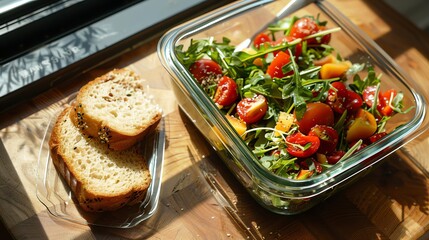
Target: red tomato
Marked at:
226, 92
383, 101
304, 27
368, 95
325, 38
305, 163
317, 113
353, 101
389, 95
260, 39
205, 68
251, 110
386, 100
328, 138
337, 97
335, 156
275, 67
300, 145
376, 137
297, 50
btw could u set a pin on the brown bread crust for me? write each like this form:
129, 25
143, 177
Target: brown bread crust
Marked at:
103, 126
90, 198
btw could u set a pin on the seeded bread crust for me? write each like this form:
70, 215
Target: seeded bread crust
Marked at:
100, 178
115, 109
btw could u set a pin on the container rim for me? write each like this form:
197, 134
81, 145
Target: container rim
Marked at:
342, 170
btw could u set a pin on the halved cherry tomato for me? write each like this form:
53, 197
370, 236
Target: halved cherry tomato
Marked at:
335, 156
251, 110
260, 39
300, 145
328, 138
317, 113
374, 138
304, 27
383, 101
337, 97
340, 98
202, 69
386, 100
275, 67
368, 95
226, 92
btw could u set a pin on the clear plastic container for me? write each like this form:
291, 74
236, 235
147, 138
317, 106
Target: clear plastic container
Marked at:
244, 19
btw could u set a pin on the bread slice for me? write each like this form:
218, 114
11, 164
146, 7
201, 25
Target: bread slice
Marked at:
115, 109
100, 178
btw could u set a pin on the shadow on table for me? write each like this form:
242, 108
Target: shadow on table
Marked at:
14, 194
388, 203
393, 45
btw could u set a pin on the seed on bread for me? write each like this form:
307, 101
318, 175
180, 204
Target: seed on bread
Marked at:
100, 178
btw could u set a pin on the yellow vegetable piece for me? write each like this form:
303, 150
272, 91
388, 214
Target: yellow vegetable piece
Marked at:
321, 158
334, 70
304, 174
258, 62
284, 123
239, 125
362, 126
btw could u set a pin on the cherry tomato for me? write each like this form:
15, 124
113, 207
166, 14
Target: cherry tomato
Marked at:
368, 95
203, 69
383, 101
388, 95
304, 27
260, 39
297, 49
337, 97
226, 92
353, 101
306, 162
317, 113
275, 67
251, 110
325, 38
335, 156
386, 100
328, 138
374, 138
300, 145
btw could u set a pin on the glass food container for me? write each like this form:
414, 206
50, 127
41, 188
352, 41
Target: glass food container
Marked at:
240, 21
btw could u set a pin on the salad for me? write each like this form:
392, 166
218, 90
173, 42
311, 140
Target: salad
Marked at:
287, 95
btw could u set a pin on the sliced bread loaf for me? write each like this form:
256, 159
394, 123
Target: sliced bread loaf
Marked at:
100, 178
115, 109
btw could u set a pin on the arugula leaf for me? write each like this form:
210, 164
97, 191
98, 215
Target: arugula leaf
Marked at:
217, 51
370, 79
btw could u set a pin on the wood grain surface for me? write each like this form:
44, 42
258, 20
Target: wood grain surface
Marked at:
391, 202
